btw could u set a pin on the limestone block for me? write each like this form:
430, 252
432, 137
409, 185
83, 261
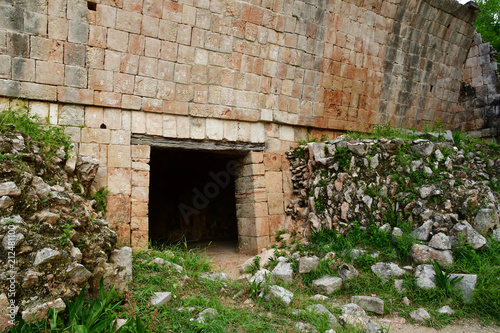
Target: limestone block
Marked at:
214, 129
119, 156
138, 122
73, 115
253, 226
275, 203
119, 180
274, 182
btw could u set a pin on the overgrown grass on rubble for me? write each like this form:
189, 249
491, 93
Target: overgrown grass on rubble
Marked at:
49, 138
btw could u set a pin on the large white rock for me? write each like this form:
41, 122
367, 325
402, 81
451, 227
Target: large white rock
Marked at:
465, 230
425, 277
321, 310
45, 256
466, 286
38, 312
283, 271
385, 270
281, 294
260, 276
369, 303
422, 232
423, 254
307, 264
327, 284
420, 315
440, 241
161, 298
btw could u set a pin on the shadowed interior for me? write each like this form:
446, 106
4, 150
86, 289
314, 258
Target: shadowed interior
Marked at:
191, 196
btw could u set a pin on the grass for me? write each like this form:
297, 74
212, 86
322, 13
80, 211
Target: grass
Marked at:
49, 138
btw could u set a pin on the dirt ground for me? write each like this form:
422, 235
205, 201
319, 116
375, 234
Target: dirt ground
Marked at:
226, 259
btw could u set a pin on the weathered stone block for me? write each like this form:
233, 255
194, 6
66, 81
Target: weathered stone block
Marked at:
18, 45
74, 54
73, 115
78, 32
75, 76
38, 91
274, 182
23, 69
5, 66
49, 73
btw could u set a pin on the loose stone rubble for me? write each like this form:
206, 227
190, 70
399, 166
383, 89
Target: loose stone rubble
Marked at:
61, 242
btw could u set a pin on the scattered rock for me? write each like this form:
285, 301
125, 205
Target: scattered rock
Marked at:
353, 316
422, 147
260, 276
485, 220
446, 310
347, 272
39, 312
120, 322
304, 327
406, 301
423, 253
161, 298
280, 293
11, 241
6, 202
213, 276
307, 264
466, 286
425, 277
78, 273
465, 230
320, 298
368, 303
283, 271
10, 189
420, 315
440, 242
42, 189
327, 284
386, 270
496, 235
422, 232
46, 255
398, 284
86, 168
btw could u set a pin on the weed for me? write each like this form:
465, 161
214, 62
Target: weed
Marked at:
67, 233
343, 156
101, 199
443, 280
252, 269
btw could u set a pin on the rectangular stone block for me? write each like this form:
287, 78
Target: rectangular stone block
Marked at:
10, 88
38, 91
46, 49
113, 118
252, 245
119, 180
40, 109
23, 69
118, 209
75, 76
78, 32
120, 137
94, 117
58, 28
131, 102
100, 80
154, 124
253, 227
49, 73
150, 26
275, 203
250, 170
140, 178
105, 98
258, 209
258, 195
117, 40
128, 21
96, 135
75, 95
249, 184
5, 66
138, 122
274, 182
139, 222
272, 162
253, 157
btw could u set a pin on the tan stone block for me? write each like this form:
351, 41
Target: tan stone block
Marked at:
272, 162
231, 130
119, 156
123, 234
276, 223
46, 49
140, 151
105, 16
184, 34
139, 240
131, 102
101, 179
128, 21
167, 30
106, 98
89, 149
152, 104
74, 133
150, 26
118, 209
40, 109
58, 28
140, 208
154, 124
49, 72
166, 70
119, 180
185, 54
140, 193
120, 137
250, 170
166, 90
139, 222
258, 209
53, 113
252, 245
253, 157
183, 127
95, 57
138, 122
197, 128
249, 184
100, 79
258, 195
152, 48
169, 126
136, 44
140, 178
113, 118
123, 83
182, 74
117, 40
145, 86
253, 226
148, 66
274, 182
257, 133
97, 36
103, 154
287, 133
275, 203
244, 131
214, 129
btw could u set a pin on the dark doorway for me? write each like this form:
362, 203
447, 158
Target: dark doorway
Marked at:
191, 196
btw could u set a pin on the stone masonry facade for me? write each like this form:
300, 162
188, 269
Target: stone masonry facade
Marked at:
256, 71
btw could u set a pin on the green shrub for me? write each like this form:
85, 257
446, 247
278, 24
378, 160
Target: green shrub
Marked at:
101, 199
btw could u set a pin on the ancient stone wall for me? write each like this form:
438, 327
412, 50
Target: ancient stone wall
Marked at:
237, 71
480, 92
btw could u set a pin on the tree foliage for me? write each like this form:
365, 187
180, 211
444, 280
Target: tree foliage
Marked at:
488, 22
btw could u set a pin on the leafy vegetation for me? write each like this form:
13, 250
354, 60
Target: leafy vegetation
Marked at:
444, 280
488, 22
101, 199
49, 138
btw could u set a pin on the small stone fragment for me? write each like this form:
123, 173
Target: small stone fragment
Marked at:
386, 270
307, 264
161, 298
369, 303
45, 256
327, 284
420, 315
446, 310
347, 272
280, 293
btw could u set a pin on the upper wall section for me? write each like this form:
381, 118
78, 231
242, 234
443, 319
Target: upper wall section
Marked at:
337, 64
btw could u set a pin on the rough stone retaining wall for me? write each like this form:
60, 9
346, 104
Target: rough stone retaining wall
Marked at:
259, 71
